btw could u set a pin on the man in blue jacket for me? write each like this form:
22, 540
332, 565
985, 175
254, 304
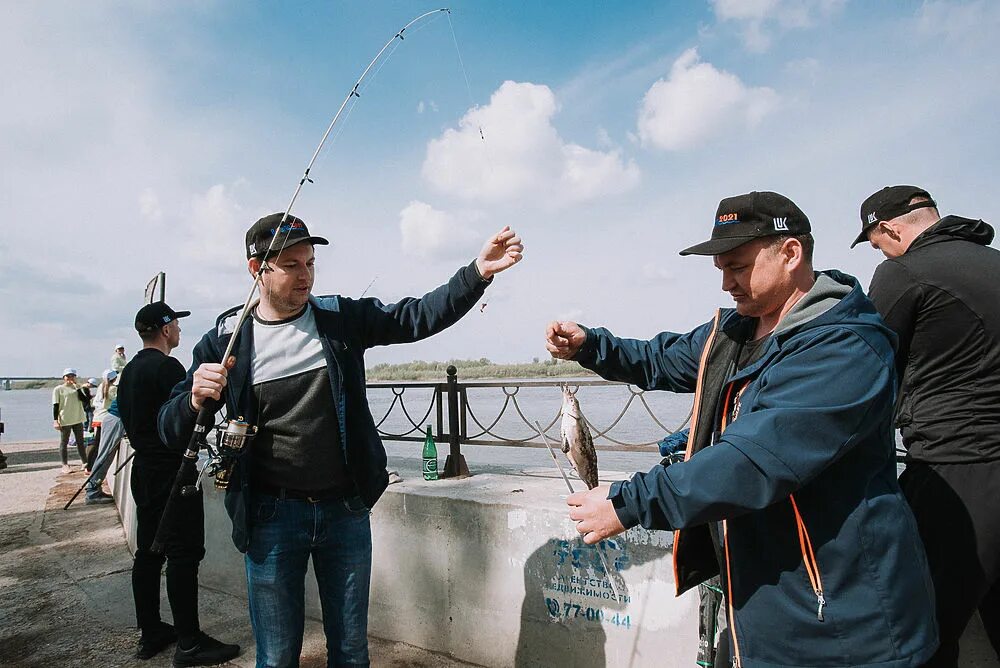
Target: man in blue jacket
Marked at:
788, 490
306, 484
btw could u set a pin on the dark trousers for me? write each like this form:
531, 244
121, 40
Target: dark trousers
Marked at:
77, 431
184, 549
956, 512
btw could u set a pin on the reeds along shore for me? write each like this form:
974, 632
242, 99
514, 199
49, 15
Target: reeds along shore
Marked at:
475, 370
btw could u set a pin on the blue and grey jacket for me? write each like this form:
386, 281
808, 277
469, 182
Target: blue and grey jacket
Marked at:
347, 328
794, 501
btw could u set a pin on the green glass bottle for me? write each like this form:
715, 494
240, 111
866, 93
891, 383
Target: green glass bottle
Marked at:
430, 457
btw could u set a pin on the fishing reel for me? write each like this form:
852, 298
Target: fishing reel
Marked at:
231, 439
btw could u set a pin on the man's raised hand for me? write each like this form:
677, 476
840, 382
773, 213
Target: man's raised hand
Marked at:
501, 251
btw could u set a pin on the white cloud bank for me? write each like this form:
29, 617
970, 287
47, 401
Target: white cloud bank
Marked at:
697, 102
761, 20
520, 154
432, 234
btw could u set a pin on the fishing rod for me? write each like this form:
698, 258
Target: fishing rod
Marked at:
187, 479
604, 560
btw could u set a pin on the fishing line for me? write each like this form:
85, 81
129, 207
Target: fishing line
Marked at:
488, 173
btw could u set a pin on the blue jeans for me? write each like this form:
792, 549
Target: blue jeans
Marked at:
285, 533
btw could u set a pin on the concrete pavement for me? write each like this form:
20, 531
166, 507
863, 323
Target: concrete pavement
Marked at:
65, 593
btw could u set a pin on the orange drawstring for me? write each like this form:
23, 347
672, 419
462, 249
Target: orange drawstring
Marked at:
809, 559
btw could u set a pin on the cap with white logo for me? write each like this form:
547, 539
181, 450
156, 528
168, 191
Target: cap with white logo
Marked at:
747, 217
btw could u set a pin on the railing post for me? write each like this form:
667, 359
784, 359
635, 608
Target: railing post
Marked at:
454, 465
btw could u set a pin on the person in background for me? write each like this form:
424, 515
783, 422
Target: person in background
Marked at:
106, 392
112, 431
68, 416
118, 360
88, 405
144, 386
937, 290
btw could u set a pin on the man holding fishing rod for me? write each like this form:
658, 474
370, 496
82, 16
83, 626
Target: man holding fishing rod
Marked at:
305, 485
788, 489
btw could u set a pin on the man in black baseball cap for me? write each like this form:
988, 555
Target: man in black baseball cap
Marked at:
892, 202
290, 232
937, 291
153, 316
794, 391
144, 386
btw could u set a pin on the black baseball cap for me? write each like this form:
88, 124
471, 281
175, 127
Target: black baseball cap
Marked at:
156, 315
747, 217
888, 203
292, 231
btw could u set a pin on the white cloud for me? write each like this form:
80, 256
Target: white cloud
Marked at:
520, 154
217, 225
959, 21
432, 234
697, 102
149, 206
658, 273
760, 20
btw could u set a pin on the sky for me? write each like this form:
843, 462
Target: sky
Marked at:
140, 137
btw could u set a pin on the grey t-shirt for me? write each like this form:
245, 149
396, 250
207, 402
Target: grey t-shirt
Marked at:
298, 440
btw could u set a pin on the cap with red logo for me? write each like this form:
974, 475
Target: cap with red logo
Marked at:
289, 229
747, 217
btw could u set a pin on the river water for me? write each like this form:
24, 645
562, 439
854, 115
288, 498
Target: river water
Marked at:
27, 415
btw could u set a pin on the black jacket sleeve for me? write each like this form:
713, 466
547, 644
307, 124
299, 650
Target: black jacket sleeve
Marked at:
897, 295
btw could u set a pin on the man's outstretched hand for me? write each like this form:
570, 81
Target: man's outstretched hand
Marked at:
501, 251
563, 339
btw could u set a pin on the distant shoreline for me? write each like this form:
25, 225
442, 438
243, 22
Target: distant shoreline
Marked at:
481, 369
39, 384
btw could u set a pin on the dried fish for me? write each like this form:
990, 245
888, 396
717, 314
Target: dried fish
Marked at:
577, 442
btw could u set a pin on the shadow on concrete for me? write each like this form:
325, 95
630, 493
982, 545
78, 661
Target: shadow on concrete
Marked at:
38, 456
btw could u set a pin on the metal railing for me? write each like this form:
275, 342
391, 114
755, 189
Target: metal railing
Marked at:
466, 426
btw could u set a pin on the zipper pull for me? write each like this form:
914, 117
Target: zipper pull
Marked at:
821, 603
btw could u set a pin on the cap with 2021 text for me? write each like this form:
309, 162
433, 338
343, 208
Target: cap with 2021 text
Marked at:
743, 218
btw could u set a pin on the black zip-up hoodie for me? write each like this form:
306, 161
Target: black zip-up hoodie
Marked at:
942, 299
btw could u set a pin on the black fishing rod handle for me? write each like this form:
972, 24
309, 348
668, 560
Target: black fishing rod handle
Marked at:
186, 478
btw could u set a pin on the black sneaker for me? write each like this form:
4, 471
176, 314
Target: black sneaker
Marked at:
207, 651
155, 641
103, 498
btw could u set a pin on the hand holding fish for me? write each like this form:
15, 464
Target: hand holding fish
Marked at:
594, 514
501, 251
563, 339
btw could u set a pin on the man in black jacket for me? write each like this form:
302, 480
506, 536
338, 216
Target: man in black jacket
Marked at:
937, 289
144, 386
303, 488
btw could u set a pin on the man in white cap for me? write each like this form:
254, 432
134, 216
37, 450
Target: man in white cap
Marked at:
118, 360
68, 416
